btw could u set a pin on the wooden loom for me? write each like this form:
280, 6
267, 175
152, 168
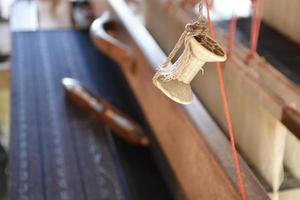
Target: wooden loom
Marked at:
255, 92
191, 142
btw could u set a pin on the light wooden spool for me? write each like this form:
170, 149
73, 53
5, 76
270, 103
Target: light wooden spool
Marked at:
194, 148
269, 78
197, 52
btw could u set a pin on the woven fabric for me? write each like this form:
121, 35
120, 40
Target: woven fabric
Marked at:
57, 151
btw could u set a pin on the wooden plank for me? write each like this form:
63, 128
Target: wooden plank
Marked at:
198, 152
246, 108
266, 74
288, 91
259, 135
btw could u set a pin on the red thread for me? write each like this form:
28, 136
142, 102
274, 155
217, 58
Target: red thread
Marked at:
231, 35
227, 115
257, 9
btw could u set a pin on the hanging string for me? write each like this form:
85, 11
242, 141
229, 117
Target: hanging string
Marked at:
231, 35
198, 28
257, 9
227, 115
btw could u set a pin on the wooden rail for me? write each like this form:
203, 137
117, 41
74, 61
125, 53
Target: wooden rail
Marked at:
197, 150
259, 82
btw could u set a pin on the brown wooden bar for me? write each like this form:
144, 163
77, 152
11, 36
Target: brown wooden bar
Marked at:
197, 150
124, 127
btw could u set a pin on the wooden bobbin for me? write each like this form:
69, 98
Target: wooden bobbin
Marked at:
197, 52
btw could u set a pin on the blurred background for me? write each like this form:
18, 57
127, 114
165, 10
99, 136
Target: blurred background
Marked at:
277, 48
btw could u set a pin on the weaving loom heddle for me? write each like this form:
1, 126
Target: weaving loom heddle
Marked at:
238, 139
259, 95
59, 152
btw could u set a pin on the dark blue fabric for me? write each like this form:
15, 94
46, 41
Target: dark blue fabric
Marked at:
59, 152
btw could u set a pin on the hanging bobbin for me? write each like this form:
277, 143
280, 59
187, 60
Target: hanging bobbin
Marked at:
174, 79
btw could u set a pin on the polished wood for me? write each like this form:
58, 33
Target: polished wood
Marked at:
274, 90
197, 150
259, 135
115, 49
122, 125
290, 118
254, 109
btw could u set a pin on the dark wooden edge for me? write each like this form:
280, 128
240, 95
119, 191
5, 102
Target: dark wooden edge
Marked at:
291, 119
215, 141
131, 132
114, 48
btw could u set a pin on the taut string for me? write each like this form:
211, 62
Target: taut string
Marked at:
231, 35
257, 9
227, 116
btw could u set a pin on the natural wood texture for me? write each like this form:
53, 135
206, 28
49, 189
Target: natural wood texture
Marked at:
290, 118
24, 16
265, 74
288, 91
119, 122
169, 17
283, 16
121, 51
249, 106
198, 152
259, 135
176, 19
54, 15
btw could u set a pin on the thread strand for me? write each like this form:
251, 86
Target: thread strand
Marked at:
227, 114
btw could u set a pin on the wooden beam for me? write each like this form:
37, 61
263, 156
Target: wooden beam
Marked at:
271, 80
196, 148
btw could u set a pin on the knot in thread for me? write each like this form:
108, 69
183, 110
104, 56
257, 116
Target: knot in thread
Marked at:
198, 27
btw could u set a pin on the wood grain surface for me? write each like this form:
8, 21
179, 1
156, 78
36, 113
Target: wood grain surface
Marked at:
280, 91
198, 152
